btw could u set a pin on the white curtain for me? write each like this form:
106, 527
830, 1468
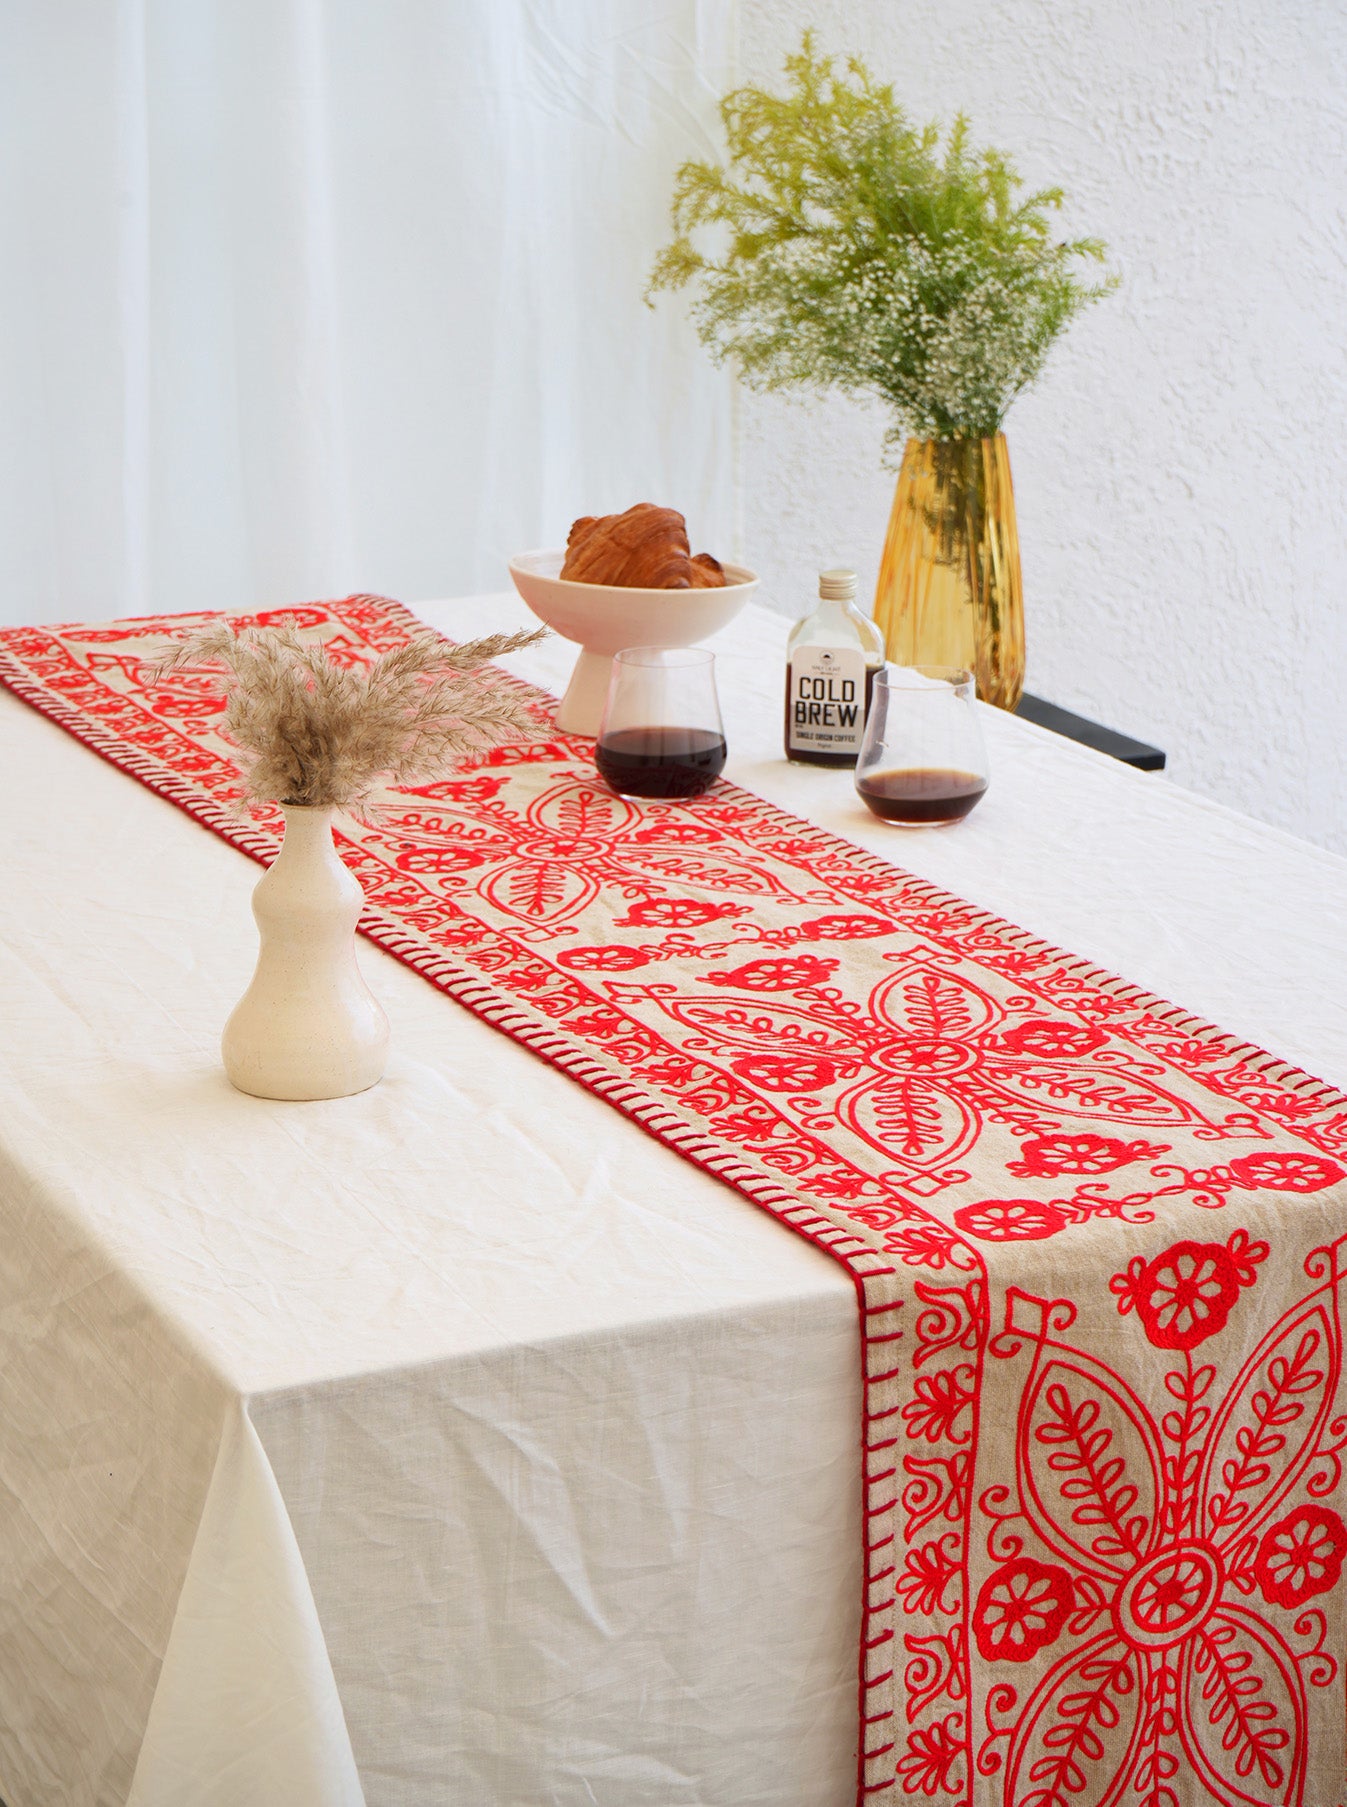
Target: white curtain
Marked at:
301, 296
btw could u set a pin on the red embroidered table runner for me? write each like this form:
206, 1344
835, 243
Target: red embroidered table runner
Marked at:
1098, 1246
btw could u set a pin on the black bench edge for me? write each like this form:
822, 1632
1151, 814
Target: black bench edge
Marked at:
1089, 734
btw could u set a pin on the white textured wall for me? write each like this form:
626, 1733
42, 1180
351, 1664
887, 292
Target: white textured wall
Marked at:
1181, 472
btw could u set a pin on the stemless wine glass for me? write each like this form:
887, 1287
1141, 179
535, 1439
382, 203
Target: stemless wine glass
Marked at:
661, 733
922, 763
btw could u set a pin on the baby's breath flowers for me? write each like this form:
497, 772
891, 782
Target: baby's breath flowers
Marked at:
854, 253
320, 734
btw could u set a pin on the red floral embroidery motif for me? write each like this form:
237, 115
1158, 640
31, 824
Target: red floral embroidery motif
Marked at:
1020, 1609
937, 1404
933, 1756
786, 1072
931, 1576
1185, 1295
928, 1060
1164, 1526
1047, 1156
1301, 1556
545, 864
602, 959
847, 928
676, 913
1011, 1219
776, 975
1054, 1041
1287, 1172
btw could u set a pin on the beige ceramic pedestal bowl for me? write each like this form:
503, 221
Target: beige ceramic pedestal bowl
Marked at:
603, 618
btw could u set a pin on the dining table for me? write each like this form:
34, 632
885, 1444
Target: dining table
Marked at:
459, 1444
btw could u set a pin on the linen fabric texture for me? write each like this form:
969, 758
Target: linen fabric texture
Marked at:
1098, 1245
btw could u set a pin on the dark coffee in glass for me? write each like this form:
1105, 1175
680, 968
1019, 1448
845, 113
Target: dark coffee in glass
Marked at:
660, 762
923, 763
921, 796
661, 736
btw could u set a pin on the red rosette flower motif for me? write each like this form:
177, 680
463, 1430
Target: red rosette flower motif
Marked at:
786, 1072
1050, 1040
846, 928
445, 860
1287, 1172
1021, 1609
460, 790
796, 973
522, 752
1184, 1296
294, 617
1301, 1556
1045, 1157
676, 913
1011, 1219
602, 959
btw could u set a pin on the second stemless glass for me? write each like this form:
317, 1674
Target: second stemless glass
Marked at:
661, 734
923, 763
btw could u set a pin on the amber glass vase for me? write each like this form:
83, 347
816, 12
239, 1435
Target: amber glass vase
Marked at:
949, 589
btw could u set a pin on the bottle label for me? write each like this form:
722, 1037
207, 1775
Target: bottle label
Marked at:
826, 701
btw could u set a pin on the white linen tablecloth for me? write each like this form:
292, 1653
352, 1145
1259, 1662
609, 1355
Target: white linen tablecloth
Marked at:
417, 1447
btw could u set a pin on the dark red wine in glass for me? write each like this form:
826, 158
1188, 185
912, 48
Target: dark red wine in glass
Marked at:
660, 762
922, 796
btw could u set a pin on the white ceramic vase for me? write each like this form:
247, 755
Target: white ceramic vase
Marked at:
308, 1026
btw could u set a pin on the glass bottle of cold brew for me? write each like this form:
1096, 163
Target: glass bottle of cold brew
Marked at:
831, 662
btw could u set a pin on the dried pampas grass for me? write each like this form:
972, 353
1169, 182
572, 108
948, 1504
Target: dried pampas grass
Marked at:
323, 735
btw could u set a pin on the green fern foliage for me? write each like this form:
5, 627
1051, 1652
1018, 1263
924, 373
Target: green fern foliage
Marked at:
840, 246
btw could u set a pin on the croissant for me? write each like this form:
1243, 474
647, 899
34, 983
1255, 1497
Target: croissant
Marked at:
644, 549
